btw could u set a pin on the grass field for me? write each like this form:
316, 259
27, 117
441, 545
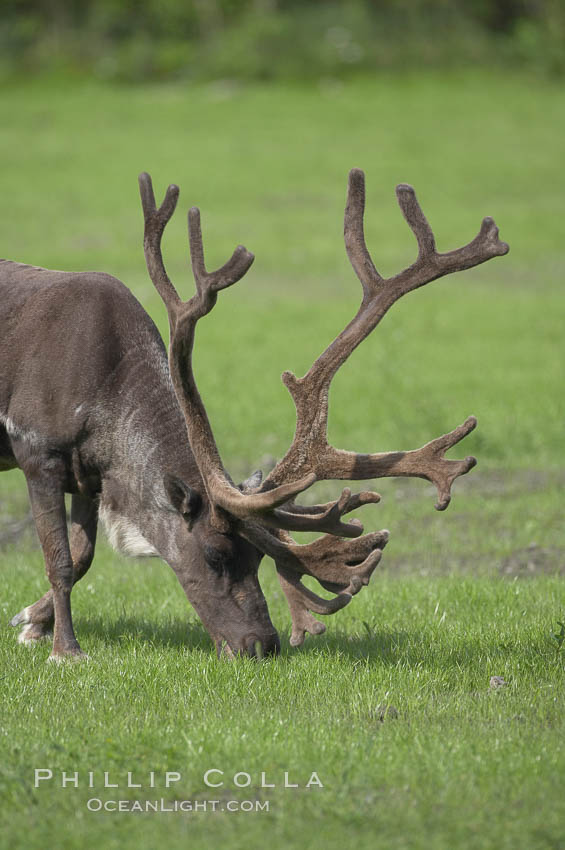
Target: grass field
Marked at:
460, 597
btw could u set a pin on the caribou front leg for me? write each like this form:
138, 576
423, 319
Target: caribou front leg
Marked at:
47, 499
38, 619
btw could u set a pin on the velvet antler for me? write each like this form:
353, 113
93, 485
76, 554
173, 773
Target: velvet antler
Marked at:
264, 514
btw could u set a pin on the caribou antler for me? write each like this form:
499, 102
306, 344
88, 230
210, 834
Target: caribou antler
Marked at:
224, 497
310, 451
264, 514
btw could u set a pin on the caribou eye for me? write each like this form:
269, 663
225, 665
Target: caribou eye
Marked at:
214, 558
222, 557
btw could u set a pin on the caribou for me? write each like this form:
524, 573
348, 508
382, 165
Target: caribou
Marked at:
91, 404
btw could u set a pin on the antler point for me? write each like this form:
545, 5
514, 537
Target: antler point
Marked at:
289, 379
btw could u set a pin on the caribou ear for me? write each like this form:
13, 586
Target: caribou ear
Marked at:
252, 482
183, 498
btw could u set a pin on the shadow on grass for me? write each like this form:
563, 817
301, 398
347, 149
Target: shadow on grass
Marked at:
388, 648
417, 649
126, 630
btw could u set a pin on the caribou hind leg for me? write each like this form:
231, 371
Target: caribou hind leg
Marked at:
38, 619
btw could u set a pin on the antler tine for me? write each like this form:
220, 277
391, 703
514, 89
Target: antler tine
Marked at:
232, 271
427, 462
301, 601
342, 567
155, 222
334, 562
416, 219
354, 236
430, 265
323, 518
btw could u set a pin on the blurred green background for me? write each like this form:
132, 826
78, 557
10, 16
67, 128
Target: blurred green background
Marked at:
258, 110
276, 39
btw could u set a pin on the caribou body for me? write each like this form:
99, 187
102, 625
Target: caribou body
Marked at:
92, 405
87, 407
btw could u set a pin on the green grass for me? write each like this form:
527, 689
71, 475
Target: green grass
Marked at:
461, 764
460, 596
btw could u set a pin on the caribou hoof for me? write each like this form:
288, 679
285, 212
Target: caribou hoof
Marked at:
32, 633
22, 617
70, 655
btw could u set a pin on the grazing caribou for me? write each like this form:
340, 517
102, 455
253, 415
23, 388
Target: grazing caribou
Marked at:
91, 405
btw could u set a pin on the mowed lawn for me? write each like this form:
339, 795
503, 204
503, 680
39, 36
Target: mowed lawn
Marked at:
392, 707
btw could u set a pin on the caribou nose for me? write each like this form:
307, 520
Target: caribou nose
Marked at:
259, 647
252, 646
